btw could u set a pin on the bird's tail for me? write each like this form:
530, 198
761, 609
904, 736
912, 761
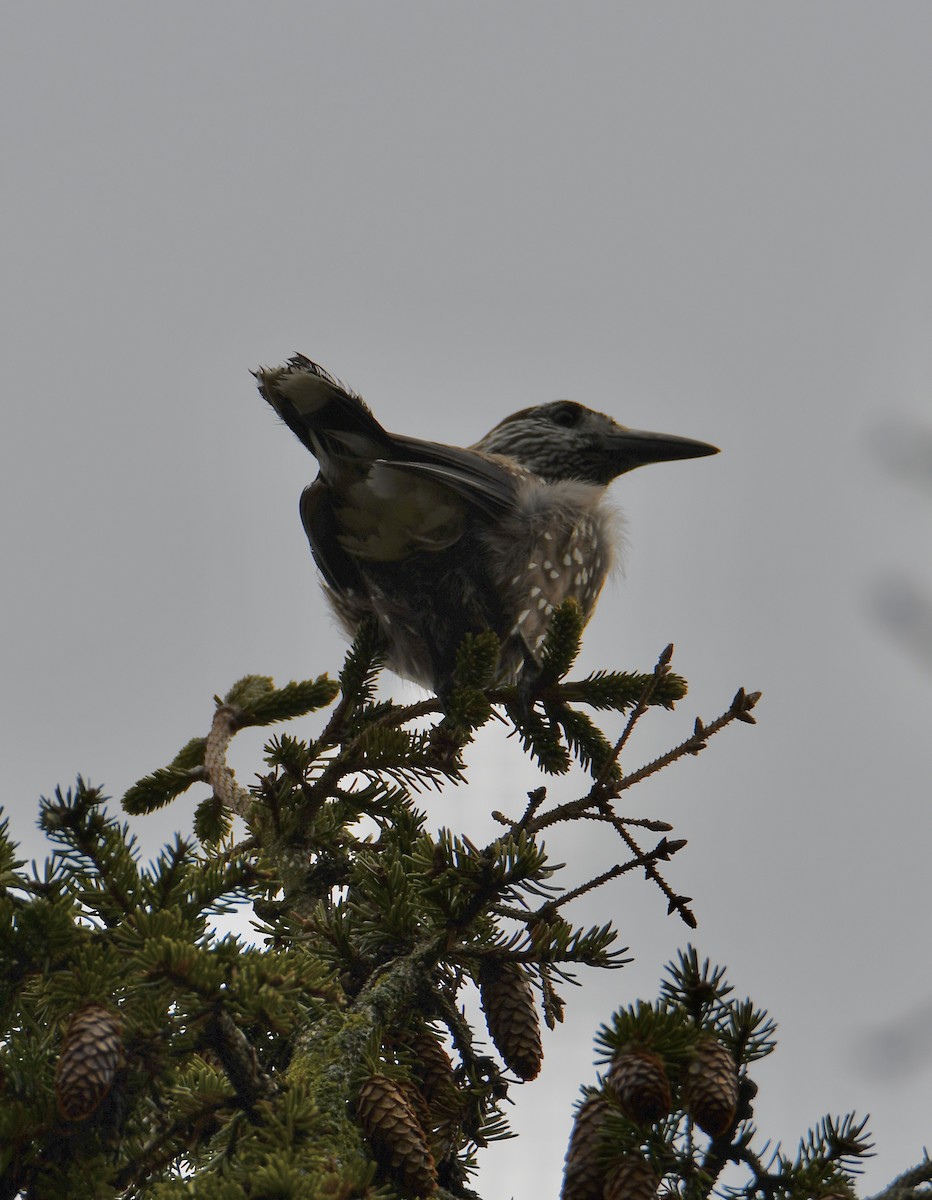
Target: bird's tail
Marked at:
330, 418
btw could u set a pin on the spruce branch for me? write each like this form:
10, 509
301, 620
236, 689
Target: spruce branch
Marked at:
739, 710
910, 1185
239, 1058
298, 1065
661, 670
219, 776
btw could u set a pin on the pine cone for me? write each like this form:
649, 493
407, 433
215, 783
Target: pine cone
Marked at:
511, 1017
433, 1068
710, 1091
631, 1178
418, 1104
638, 1080
438, 1091
91, 1055
583, 1175
396, 1136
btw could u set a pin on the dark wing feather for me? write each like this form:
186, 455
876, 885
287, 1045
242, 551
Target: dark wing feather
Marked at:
482, 480
337, 567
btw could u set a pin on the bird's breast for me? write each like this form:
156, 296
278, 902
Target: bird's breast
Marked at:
558, 545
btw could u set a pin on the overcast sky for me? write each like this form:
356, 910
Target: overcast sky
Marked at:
711, 219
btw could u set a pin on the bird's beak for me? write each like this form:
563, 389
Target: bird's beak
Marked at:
630, 448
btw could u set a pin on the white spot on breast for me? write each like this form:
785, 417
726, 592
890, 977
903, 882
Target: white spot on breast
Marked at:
554, 574
535, 591
523, 616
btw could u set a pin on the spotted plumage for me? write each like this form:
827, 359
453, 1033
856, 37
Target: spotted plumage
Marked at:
439, 541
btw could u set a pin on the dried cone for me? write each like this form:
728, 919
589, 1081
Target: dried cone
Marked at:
511, 1017
711, 1088
419, 1110
583, 1174
91, 1055
433, 1068
639, 1082
630, 1178
397, 1138
438, 1091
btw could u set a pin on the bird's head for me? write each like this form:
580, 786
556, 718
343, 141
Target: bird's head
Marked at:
566, 440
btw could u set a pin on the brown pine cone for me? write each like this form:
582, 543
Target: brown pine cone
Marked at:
710, 1090
433, 1069
437, 1085
418, 1105
630, 1178
396, 1136
511, 1017
91, 1055
638, 1080
583, 1175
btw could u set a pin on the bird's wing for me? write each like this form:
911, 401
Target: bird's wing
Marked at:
335, 424
483, 480
337, 567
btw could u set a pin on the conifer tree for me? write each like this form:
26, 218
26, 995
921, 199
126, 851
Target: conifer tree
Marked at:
328, 1056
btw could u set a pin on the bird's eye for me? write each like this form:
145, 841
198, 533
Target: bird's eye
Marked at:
566, 415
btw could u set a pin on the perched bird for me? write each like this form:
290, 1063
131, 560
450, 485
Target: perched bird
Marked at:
439, 541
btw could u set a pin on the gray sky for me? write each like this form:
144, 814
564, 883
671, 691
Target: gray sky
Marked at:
708, 219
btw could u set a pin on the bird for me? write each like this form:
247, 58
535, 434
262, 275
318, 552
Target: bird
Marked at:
435, 542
